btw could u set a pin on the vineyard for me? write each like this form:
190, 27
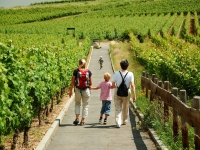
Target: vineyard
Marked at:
38, 53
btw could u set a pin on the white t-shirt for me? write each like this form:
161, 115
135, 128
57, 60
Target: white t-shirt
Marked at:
118, 79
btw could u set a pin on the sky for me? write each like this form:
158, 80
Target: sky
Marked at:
13, 3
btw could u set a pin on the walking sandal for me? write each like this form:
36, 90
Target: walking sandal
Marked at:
82, 123
76, 121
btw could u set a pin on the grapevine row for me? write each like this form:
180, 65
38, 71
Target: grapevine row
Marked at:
32, 77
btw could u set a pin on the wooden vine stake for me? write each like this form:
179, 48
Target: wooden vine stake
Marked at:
184, 125
196, 105
143, 74
166, 107
156, 80
160, 84
151, 95
147, 76
175, 117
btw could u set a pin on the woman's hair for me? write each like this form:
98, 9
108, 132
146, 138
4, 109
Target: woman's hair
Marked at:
82, 63
124, 64
107, 76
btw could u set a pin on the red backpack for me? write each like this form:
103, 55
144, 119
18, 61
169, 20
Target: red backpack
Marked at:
82, 80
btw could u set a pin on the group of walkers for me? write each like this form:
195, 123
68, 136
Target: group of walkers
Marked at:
82, 84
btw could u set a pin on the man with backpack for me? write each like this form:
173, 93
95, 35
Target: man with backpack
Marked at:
124, 83
81, 83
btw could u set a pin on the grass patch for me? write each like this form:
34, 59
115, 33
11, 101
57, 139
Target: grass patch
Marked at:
122, 50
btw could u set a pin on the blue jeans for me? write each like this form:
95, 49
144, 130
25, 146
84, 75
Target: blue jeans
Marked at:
105, 109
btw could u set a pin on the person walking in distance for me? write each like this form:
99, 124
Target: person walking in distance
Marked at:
105, 97
101, 62
81, 82
123, 80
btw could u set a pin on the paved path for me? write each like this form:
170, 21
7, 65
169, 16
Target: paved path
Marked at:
95, 136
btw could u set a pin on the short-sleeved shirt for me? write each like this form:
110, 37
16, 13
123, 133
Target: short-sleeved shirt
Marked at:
105, 90
118, 79
75, 73
101, 61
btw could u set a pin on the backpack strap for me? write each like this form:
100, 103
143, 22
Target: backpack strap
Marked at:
124, 77
80, 70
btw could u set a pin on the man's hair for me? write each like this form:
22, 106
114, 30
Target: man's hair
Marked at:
124, 64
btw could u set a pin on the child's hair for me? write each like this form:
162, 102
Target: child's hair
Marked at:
107, 76
100, 56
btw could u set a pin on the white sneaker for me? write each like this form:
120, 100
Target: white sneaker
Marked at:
117, 126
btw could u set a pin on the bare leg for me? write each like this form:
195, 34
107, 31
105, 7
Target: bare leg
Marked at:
105, 119
100, 119
77, 116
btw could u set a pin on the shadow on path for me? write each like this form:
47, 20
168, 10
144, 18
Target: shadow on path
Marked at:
139, 143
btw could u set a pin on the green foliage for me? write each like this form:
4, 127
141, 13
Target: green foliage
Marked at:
178, 65
178, 24
154, 119
32, 76
95, 20
39, 60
